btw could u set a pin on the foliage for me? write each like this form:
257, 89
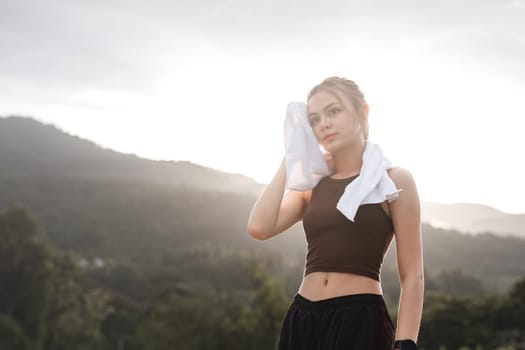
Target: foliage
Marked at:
452, 322
41, 304
203, 297
206, 318
12, 336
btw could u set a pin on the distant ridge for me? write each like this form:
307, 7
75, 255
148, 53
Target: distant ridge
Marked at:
31, 148
473, 218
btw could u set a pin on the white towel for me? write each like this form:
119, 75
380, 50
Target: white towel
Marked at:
304, 161
373, 185
306, 166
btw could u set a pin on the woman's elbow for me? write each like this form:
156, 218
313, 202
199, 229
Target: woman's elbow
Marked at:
414, 280
257, 233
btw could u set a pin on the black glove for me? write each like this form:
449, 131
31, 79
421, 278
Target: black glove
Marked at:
405, 344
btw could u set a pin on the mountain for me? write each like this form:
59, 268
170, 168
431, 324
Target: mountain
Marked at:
98, 202
103, 204
473, 218
30, 148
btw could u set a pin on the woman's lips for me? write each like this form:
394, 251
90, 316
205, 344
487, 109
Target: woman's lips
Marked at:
329, 137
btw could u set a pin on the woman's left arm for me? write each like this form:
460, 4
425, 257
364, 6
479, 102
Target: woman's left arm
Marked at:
406, 217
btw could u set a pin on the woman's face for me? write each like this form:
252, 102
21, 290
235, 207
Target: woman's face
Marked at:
334, 124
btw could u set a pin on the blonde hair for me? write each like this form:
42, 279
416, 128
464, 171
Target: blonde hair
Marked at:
349, 89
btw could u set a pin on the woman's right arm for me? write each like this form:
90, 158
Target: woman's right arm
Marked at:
274, 211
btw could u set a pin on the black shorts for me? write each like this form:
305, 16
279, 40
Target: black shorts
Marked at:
358, 321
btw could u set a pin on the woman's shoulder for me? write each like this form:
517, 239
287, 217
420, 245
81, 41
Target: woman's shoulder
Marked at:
403, 179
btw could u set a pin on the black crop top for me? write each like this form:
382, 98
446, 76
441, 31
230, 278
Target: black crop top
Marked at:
336, 244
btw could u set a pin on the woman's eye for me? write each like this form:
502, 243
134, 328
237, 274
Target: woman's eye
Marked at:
334, 111
314, 120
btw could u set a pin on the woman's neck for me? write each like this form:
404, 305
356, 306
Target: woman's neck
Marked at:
348, 161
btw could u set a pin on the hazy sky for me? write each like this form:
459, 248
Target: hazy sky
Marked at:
208, 81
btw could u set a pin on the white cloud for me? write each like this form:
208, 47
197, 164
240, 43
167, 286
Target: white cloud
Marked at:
516, 4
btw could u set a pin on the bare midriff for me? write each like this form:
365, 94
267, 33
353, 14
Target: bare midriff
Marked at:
324, 285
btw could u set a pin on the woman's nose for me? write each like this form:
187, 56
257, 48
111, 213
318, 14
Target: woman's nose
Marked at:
325, 123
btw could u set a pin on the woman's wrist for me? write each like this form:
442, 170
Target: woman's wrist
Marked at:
405, 344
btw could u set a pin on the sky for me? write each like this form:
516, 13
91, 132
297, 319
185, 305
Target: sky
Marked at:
208, 81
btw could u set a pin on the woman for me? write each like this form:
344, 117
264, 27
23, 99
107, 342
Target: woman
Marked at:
339, 304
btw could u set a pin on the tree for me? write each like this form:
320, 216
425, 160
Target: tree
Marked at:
456, 282
25, 274
41, 304
199, 316
11, 335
